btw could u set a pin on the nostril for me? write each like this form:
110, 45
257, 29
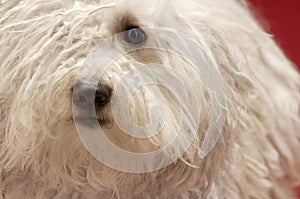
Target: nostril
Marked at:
79, 99
83, 95
101, 100
103, 95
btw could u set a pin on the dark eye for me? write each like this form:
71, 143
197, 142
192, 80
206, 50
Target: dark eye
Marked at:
134, 35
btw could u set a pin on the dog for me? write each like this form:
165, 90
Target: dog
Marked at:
144, 99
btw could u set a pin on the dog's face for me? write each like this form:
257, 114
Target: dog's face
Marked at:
84, 69
145, 92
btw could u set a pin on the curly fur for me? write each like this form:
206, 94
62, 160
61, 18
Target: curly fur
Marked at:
43, 45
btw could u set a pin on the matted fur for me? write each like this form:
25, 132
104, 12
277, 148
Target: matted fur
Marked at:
44, 43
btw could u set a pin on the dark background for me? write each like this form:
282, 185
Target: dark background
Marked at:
282, 19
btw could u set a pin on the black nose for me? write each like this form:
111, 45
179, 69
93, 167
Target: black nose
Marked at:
86, 95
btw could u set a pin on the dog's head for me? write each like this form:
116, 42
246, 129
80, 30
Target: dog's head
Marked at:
142, 77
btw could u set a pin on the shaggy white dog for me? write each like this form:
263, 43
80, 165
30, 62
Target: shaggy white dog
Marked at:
197, 85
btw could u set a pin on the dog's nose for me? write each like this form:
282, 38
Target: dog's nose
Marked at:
85, 95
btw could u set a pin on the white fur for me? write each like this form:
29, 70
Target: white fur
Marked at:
43, 45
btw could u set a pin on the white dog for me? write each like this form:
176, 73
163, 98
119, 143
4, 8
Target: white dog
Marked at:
195, 101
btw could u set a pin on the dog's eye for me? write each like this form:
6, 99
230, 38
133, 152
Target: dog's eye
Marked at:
135, 36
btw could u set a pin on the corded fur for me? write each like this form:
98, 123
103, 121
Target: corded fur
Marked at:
44, 43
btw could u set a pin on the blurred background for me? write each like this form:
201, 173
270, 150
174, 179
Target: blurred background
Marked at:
282, 19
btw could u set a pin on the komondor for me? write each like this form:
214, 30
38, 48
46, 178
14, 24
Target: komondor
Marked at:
144, 99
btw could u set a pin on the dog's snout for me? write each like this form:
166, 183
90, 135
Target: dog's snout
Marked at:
85, 95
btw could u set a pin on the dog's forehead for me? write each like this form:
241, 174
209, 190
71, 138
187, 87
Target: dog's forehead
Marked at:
127, 13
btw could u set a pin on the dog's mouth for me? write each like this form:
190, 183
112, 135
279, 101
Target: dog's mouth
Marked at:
92, 117
91, 121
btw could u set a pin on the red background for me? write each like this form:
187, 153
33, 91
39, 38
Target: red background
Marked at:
282, 19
